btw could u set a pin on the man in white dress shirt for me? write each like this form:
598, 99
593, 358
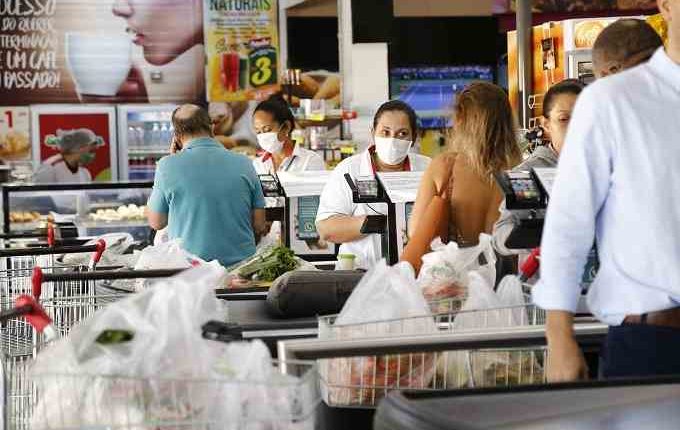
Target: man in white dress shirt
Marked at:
618, 180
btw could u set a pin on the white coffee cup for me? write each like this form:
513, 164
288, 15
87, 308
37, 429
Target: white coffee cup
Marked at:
99, 64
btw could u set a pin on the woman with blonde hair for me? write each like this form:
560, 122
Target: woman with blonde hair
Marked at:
483, 142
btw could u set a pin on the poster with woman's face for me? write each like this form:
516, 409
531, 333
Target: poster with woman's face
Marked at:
72, 51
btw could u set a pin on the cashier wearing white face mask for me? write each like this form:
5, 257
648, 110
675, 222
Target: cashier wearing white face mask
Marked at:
273, 123
339, 219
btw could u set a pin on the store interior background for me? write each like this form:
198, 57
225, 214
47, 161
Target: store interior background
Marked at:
386, 35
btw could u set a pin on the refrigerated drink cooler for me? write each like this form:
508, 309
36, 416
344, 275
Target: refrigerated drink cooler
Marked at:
145, 133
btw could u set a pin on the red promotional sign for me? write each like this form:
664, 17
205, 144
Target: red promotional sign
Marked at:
98, 123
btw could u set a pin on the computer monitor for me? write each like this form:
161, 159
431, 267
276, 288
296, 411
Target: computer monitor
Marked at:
431, 91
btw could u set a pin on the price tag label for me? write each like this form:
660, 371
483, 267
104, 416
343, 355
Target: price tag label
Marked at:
263, 67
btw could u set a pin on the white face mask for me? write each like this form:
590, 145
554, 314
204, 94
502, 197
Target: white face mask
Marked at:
270, 142
392, 151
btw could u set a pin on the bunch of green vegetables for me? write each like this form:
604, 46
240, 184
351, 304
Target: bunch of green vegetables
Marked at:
269, 265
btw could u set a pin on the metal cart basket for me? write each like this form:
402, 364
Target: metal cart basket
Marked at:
16, 336
69, 401
363, 380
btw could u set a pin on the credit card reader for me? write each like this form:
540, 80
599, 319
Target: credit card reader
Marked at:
527, 199
270, 186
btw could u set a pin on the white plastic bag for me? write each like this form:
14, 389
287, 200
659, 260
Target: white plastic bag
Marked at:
379, 306
168, 255
444, 274
486, 309
165, 329
116, 245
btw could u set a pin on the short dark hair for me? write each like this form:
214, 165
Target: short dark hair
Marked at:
278, 108
567, 86
191, 120
627, 38
398, 106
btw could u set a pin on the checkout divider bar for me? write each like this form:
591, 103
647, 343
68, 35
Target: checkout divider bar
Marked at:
100, 275
30, 251
512, 337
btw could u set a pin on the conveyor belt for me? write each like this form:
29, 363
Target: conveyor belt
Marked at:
249, 319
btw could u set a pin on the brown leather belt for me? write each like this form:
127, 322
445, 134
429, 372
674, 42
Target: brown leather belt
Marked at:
665, 318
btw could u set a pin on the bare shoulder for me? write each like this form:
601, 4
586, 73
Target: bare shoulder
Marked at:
441, 166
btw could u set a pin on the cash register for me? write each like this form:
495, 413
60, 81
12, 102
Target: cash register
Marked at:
300, 192
398, 191
526, 197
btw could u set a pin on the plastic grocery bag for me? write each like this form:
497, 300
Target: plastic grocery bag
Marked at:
445, 271
385, 303
486, 309
155, 333
114, 254
264, 396
168, 255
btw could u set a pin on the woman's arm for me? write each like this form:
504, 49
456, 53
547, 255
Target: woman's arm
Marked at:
341, 228
426, 191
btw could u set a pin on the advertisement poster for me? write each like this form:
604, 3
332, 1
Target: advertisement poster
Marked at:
15, 144
587, 5
85, 51
51, 125
242, 48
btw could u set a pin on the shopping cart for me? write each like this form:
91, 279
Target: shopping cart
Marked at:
70, 297
362, 381
42, 401
16, 336
352, 404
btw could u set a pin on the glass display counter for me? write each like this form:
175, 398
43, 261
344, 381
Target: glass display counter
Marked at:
94, 208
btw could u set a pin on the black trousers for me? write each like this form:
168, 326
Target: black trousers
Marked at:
638, 350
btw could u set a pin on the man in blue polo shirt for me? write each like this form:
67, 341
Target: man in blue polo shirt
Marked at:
207, 196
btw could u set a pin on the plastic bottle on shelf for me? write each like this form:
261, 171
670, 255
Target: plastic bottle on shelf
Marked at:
156, 135
132, 137
146, 132
165, 134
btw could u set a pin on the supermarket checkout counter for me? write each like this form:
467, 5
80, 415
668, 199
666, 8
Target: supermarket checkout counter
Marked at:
397, 191
601, 405
286, 311
299, 194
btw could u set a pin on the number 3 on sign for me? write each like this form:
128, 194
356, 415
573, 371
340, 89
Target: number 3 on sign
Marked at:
263, 71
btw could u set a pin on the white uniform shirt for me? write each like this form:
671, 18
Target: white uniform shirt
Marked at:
618, 180
301, 160
336, 199
55, 170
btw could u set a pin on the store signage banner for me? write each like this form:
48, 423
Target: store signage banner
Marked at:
84, 51
51, 125
582, 5
242, 48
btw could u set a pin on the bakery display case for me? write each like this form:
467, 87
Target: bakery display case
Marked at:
94, 209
